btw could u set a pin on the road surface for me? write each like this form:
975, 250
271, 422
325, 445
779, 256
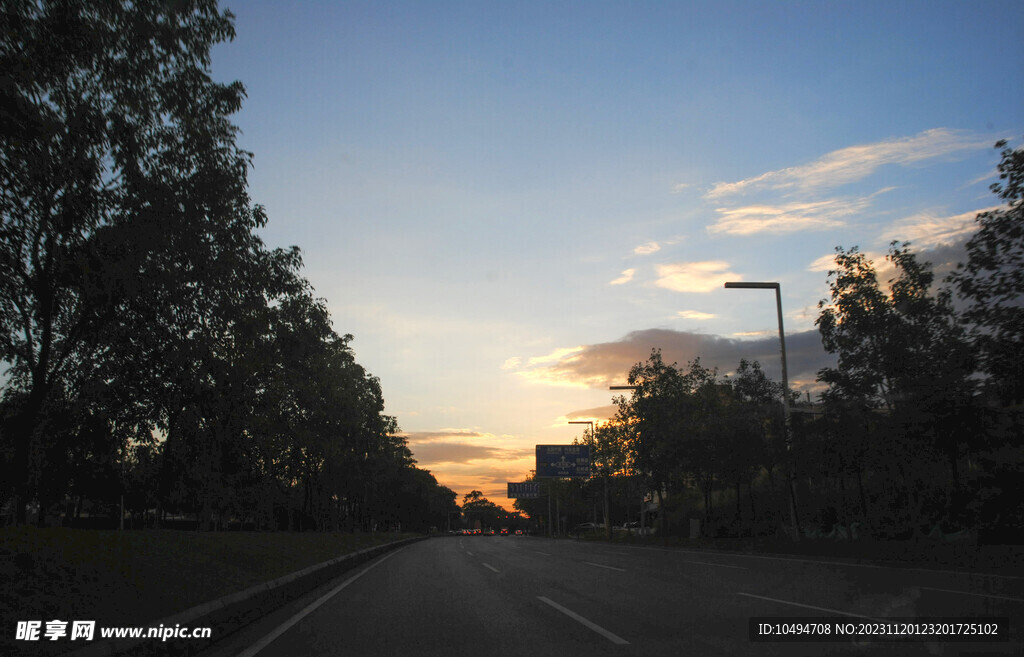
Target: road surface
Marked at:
531, 597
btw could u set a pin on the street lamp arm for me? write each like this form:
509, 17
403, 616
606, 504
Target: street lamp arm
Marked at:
743, 285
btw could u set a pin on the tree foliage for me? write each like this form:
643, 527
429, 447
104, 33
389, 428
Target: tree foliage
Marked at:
992, 282
157, 352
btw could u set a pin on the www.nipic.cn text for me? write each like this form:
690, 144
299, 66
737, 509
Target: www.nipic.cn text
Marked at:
56, 630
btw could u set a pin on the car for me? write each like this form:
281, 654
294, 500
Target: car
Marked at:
519, 532
504, 531
489, 532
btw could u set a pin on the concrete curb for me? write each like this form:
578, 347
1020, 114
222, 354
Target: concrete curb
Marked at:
232, 612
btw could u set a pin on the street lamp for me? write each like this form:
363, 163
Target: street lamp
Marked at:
643, 497
607, 505
740, 285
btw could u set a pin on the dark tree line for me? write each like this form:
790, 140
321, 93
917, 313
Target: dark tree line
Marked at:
918, 432
156, 351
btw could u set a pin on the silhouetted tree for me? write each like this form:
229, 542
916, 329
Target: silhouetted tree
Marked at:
115, 143
477, 507
992, 282
900, 351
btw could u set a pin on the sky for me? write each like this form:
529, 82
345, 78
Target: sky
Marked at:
509, 204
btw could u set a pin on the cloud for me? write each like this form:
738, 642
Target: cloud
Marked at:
511, 363
781, 219
626, 277
556, 355
790, 217
848, 165
647, 249
828, 262
463, 472
422, 437
598, 413
694, 276
454, 452
925, 230
695, 314
824, 263
492, 483
605, 364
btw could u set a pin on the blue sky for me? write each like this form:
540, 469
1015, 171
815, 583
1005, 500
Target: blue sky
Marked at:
508, 204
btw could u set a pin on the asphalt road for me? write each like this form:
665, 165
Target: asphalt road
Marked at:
529, 597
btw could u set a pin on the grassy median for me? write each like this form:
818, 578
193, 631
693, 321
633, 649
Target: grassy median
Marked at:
133, 577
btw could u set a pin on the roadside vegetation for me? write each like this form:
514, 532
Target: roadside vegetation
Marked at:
123, 578
160, 362
916, 434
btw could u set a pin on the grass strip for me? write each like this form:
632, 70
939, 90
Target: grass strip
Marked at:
133, 577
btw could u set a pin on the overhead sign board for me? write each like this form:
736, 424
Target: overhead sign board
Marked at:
525, 489
563, 461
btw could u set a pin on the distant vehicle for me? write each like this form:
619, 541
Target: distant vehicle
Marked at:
635, 528
519, 532
586, 527
489, 532
504, 531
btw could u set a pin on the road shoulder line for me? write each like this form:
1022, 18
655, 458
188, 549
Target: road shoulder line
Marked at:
285, 626
800, 604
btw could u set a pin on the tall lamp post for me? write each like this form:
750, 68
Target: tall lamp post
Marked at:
607, 505
740, 285
643, 495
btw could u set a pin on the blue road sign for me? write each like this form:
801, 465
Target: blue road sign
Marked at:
563, 461
524, 489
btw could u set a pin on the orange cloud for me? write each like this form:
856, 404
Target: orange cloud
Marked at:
606, 364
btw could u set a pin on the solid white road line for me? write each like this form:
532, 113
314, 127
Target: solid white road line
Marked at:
601, 565
285, 626
469, 553
614, 638
980, 595
544, 553
797, 604
489, 566
812, 560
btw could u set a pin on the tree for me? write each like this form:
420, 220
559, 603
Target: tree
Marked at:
671, 423
893, 346
857, 325
652, 420
900, 351
115, 143
992, 282
478, 507
754, 436
607, 459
